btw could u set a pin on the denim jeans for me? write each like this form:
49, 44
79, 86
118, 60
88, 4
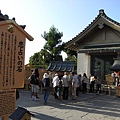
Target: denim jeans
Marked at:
46, 95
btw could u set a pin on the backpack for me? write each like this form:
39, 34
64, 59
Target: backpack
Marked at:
32, 79
47, 82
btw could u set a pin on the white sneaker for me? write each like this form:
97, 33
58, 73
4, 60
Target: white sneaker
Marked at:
34, 98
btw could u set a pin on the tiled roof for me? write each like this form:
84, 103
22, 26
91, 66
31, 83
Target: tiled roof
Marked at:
63, 66
19, 113
6, 17
101, 14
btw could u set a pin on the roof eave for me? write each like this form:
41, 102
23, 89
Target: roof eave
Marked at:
29, 37
102, 17
83, 33
112, 25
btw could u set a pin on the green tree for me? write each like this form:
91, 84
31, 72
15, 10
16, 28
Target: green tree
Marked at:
36, 60
51, 50
71, 56
53, 45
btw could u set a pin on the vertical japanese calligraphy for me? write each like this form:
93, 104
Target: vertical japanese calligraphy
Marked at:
20, 56
14, 55
1, 58
12, 50
7, 101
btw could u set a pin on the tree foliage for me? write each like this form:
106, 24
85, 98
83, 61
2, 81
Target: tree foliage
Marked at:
51, 50
71, 56
53, 46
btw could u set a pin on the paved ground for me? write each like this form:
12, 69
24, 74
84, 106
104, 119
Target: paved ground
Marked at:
86, 107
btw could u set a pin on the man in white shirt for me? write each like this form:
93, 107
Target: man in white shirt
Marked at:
55, 85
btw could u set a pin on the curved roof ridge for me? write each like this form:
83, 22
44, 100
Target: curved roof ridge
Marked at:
101, 14
111, 20
85, 28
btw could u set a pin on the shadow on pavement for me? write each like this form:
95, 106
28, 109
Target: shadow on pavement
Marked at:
90, 103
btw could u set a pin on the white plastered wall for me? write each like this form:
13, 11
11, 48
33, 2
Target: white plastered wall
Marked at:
83, 64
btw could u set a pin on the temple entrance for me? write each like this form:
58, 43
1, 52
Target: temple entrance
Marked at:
100, 65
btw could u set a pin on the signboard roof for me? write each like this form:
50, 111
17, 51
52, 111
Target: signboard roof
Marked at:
12, 22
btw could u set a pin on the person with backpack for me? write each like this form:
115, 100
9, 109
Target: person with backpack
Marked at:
59, 92
45, 86
34, 81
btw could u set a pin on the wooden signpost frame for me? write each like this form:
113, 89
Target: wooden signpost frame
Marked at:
12, 53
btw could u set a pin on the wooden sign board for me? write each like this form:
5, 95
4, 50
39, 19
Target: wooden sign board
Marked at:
7, 102
109, 79
12, 53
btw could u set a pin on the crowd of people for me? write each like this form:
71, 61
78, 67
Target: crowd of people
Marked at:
63, 86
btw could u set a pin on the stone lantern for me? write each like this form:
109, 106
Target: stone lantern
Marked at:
116, 68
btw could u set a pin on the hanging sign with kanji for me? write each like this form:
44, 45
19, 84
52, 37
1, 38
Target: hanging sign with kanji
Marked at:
12, 53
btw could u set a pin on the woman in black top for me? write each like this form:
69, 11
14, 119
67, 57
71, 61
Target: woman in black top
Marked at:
34, 81
37, 81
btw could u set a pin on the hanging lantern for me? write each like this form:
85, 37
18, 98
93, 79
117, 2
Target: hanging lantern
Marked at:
116, 65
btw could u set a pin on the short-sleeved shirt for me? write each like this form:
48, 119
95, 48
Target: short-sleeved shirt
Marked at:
65, 80
75, 81
55, 81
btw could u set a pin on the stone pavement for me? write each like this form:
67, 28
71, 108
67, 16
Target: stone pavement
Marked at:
86, 107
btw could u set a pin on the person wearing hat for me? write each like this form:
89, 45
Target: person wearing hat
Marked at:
55, 85
45, 85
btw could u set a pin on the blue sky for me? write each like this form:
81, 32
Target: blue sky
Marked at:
68, 16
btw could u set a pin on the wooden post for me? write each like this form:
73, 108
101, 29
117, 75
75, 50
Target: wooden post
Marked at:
12, 52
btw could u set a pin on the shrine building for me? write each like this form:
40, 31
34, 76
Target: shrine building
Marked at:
97, 46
